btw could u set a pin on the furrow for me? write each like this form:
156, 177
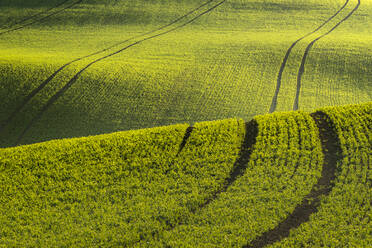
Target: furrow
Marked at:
54, 74
332, 155
56, 96
35, 15
286, 57
41, 19
301, 71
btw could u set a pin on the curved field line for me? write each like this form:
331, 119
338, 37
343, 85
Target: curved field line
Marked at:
221, 76
182, 146
286, 57
185, 139
226, 90
54, 74
308, 48
41, 19
332, 155
251, 132
56, 96
240, 165
35, 15
299, 134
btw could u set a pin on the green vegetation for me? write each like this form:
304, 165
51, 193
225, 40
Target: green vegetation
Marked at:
286, 161
166, 186
78, 68
222, 65
114, 189
344, 218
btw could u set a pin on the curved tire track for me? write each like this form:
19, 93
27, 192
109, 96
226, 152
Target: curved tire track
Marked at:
332, 155
35, 15
185, 139
240, 165
56, 96
41, 19
286, 57
307, 51
54, 74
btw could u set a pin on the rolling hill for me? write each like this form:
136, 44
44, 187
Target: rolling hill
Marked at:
78, 68
185, 123
289, 179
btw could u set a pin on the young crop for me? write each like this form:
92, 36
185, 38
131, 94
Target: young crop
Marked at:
117, 190
223, 65
94, 189
285, 162
344, 217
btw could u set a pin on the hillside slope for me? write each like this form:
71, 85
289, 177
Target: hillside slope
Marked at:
73, 68
285, 179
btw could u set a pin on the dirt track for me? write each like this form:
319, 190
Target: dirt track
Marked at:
307, 51
310, 204
286, 57
240, 165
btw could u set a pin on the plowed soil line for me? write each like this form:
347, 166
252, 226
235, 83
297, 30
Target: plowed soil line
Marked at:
41, 19
284, 63
310, 204
56, 96
307, 51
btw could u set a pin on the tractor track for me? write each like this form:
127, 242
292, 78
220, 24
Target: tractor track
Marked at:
35, 15
310, 204
41, 19
56, 96
307, 51
185, 139
238, 169
54, 74
240, 165
286, 57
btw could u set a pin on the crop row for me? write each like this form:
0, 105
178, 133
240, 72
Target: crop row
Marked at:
344, 217
138, 188
115, 189
104, 54
285, 162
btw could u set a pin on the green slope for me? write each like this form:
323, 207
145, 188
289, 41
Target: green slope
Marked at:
224, 64
285, 162
344, 217
220, 184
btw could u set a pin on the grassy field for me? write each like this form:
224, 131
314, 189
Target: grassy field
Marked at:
299, 179
347, 209
223, 64
166, 123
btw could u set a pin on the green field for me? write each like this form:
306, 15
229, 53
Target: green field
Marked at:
185, 123
223, 64
221, 184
